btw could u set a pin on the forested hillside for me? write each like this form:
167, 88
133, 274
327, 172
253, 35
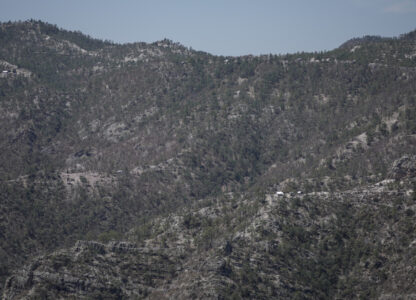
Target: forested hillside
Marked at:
177, 155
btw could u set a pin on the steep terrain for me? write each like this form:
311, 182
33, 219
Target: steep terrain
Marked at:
178, 152
358, 243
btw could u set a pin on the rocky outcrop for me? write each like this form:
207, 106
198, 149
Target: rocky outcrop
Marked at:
92, 269
404, 167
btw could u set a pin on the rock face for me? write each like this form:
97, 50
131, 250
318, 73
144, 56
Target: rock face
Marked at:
92, 269
114, 271
404, 167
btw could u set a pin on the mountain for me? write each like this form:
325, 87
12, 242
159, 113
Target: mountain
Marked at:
356, 243
161, 165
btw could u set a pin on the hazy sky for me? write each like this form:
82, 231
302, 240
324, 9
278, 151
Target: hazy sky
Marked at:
226, 27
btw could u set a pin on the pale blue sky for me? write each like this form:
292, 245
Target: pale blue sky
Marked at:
226, 27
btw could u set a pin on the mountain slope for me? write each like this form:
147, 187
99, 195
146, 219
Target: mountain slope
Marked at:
351, 244
97, 138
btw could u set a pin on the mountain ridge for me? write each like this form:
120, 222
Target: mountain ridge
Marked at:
99, 140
